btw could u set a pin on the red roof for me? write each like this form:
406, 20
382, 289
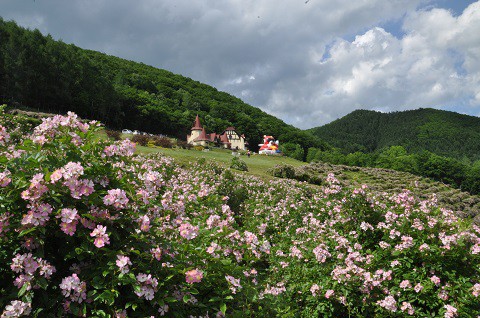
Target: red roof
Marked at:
202, 136
197, 125
224, 139
212, 136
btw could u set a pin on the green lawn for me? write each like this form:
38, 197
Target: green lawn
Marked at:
257, 164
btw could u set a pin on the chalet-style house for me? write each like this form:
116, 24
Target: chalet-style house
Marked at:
229, 138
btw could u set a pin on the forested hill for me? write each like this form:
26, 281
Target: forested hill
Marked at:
39, 72
442, 132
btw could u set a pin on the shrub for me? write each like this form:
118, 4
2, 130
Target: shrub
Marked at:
142, 140
87, 229
163, 142
17, 125
113, 134
238, 164
184, 145
283, 171
292, 150
150, 143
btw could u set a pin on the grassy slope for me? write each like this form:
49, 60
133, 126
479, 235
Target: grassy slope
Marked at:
257, 164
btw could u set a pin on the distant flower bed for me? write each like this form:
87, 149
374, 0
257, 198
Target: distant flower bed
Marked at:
88, 229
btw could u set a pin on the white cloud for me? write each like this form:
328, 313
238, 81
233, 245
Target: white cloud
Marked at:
435, 64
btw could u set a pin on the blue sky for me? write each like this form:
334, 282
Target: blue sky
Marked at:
306, 62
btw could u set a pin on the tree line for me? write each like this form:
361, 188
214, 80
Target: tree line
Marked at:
462, 174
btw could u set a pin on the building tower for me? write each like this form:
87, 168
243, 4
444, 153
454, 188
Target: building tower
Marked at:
196, 130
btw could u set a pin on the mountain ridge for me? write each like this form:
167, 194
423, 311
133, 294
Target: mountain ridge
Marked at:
445, 133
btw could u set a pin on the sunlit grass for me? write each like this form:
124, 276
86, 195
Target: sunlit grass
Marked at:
257, 164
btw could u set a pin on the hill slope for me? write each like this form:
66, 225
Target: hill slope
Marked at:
47, 75
389, 181
442, 132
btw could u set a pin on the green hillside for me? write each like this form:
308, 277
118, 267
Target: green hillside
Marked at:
444, 133
40, 73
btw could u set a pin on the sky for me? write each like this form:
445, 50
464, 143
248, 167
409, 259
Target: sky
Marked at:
307, 62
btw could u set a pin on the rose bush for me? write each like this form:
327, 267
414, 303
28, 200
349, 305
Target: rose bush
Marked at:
89, 229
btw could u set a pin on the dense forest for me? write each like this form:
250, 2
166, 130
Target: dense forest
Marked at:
41, 73
441, 132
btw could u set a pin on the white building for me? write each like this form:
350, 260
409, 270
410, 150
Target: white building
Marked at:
229, 138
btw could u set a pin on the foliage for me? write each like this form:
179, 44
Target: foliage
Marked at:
283, 171
88, 229
184, 145
238, 164
443, 133
142, 140
102, 233
293, 150
114, 134
311, 153
389, 181
18, 125
164, 142
458, 173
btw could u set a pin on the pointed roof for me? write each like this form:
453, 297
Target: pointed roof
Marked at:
197, 125
212, 136
202, 136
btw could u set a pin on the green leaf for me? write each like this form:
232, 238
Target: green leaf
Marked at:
57, 199
42, 282
99, 313
22, 290
137, 288
226, 261
214, 299
223, 308
27, 231
170, 299
193, 291
107, 297
37, 311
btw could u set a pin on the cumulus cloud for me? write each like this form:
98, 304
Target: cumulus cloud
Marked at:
434, 64
307, 63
